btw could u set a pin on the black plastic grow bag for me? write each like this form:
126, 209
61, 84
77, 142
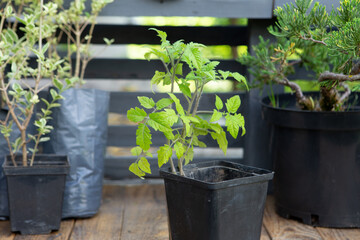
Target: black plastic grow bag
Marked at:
316, 162
36, 193
216, 201
80, 131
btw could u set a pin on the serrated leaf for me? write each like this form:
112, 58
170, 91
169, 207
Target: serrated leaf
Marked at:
221, 140
136, 151
189, 155
144, 165
224, 74
210, 66
157, 78
171, 116
179, 149
218, 103
178, 105
164, 154
233, 104
216, 116
185, 90
169, 135
234, 123
186, 122
240, 78
161, 34
159, 122
143, 137
136, 115
146, 102
134, 168
164, 102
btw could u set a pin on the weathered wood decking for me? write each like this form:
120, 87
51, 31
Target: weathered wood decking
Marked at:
139, 213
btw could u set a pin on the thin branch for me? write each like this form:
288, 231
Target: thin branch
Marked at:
346, 94
325, 76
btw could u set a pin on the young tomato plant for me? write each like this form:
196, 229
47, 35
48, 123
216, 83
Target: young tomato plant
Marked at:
181, 122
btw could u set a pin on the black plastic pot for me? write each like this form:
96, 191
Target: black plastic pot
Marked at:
36, 193
317, 163
216, 200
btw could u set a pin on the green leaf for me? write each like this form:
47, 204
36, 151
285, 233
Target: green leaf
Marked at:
161, 34
169, 135
189, 155
186, 122
108, 41
240, 78
185, 90
233, 104
146, 102
221, 140
216, 116
143, 137
179, 149
164, 102
44, 139
159, 122
144, 165
136, 115
218, 103
136, 151
171, 116
17, 88
164, 154
233, 124
134, 168
157, 78
225, 75
178, 105
58, 84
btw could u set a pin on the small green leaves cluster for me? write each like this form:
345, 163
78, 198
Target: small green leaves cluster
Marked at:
308, 35
179, 119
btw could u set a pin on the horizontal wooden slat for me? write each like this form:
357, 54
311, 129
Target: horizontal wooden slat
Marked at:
124, 136
137, 69
214, 8
120, 102
118, 167
327, 3
134, 34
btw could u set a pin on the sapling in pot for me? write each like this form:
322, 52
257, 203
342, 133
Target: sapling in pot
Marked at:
34, 206
314, 137
327, 44
21, 85
164, 114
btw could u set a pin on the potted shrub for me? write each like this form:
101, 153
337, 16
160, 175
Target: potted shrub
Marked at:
35, 181
315, 138
210, 200
80, 123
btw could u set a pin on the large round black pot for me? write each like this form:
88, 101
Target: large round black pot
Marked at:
216, 200
316, 162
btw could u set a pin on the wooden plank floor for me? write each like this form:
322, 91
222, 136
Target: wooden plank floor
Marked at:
138, 212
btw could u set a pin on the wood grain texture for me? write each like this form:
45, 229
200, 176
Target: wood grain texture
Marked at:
264, 234
283, 229
145, 214
339, 234
63, 233
107, 224
5, 233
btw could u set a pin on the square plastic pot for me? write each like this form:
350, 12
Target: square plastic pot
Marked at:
36, 193
216, 200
